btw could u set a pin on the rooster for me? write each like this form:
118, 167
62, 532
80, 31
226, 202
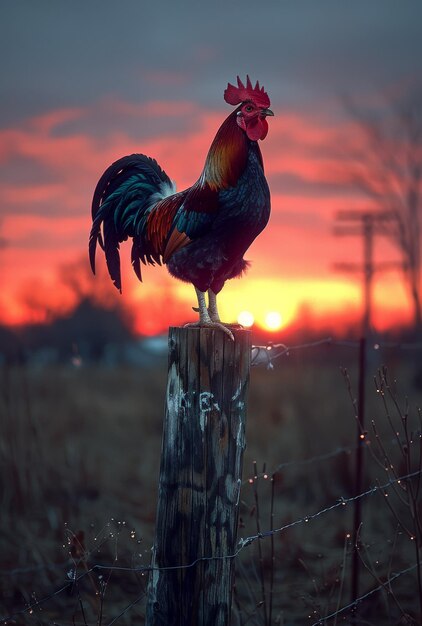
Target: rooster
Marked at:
201, 233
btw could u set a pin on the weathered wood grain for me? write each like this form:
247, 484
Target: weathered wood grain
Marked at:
200, 477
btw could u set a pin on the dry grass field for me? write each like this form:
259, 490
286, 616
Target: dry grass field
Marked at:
80, 453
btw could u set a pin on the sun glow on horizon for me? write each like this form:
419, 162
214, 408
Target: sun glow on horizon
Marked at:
246, 319
266, 303
273, 320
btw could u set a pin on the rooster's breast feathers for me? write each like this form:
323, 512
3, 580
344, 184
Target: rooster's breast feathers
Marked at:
176, 220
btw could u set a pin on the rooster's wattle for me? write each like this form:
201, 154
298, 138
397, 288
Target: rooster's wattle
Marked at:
202, 233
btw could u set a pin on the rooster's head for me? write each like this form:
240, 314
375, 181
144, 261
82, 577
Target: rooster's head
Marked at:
253, 109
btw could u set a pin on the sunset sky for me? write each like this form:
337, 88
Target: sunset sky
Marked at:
84, 83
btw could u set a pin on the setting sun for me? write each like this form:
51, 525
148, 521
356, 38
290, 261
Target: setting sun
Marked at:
246, 319
273, 320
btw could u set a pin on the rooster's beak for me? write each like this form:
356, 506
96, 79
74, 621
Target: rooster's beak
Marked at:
267, 112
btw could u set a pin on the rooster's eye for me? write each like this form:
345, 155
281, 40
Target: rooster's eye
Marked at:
248, 108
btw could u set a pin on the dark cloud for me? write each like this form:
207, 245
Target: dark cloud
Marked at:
137, 121
21, 170
72, 53
289, 184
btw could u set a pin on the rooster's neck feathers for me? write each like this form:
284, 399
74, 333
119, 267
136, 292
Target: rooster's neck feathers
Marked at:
227, 156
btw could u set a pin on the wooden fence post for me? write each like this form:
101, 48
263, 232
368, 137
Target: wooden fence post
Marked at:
200, 478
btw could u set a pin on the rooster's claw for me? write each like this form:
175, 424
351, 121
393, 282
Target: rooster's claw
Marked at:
211, 324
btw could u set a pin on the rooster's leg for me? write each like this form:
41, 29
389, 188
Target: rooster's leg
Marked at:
213, 311
212, 306
206, 314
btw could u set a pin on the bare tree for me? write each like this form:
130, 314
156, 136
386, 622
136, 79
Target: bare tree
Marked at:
387, 167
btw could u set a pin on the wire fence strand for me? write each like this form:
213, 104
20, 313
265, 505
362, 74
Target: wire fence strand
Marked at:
286, 465
242, 544
260, 355
353, 605
268, 353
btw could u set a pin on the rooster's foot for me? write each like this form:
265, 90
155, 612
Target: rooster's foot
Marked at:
213, 314
211, 324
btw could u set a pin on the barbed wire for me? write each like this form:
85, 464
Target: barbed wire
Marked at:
266, 354
354, 604
348, 607
340, 502
241, 545
314, 459
260, 355
288, 464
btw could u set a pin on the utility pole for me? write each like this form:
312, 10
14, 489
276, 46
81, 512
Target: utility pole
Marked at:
365, 224
368, 270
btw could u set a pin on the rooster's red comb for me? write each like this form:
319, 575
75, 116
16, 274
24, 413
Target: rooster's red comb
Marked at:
236, 95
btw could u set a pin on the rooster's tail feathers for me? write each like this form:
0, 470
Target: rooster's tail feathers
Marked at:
123, 199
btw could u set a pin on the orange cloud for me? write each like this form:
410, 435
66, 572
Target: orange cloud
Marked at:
13, 195
46, 223
19, 229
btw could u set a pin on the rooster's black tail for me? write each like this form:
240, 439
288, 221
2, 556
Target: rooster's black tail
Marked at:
123, 199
